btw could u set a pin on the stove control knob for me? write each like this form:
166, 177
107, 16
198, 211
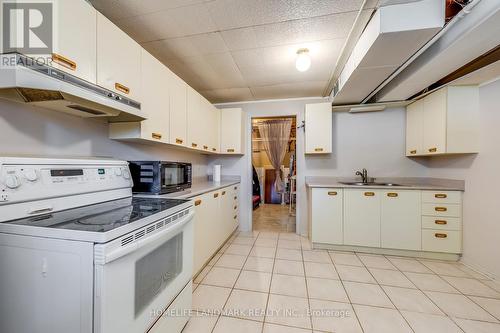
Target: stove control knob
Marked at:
126, 174
118, 171
12, 181
30, 175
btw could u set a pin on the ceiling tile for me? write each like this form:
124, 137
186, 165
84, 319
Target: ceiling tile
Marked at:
183, 47
230, 14
290, 90
177, 22
228, 95
298, 31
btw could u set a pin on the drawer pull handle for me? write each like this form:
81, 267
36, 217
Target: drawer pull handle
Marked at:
205, 147
437, 235
440, 196
122, 88
214, 149
216, 195
318, 149
235, 207
156, 136
392, 195
179, 141
413, 152
194, 145
441, 222
440, 209
223, 192
332, 193
230, 150
235, 217
63, 61
197, 202
235, 198
369, 194
432, 150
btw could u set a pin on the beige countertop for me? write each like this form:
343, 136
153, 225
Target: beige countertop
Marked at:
412, 183
197, 188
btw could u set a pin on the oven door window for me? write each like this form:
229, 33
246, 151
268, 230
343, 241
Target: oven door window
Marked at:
173, 176
156, 270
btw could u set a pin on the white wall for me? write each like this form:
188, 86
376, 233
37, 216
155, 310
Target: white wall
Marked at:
375, 141
482, 183
26, 130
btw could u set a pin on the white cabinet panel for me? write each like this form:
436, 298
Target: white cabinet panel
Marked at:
434, 128
362, 217
441, 241
74, 49
232, 131
194, 119
442, 223
326, 215
452, 210
203, 233
414, 128
318, 128
178, 111
442, 197
118, 60
400, 220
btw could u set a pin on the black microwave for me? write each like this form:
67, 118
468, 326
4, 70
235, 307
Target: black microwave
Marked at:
159, 177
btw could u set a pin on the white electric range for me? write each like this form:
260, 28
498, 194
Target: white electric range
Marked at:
80, 254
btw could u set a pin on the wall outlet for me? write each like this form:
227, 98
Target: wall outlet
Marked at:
4, 197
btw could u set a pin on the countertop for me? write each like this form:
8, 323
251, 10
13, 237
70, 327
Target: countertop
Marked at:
197, 188
411, 183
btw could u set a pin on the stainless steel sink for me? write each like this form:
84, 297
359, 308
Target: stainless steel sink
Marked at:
369, 184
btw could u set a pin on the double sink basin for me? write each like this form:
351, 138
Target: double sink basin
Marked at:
369, 184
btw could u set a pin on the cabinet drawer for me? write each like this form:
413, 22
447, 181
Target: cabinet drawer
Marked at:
441, 223
453, 197
441, 241
452, 210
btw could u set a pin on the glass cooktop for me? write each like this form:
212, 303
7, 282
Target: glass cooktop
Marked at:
102, 217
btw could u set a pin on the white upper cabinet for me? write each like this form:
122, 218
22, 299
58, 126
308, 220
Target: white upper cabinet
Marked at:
178, 111
195, 123
318, 129
444, 122
216, 120
232, 131
414, 128
74, 49
118, 60
155, 97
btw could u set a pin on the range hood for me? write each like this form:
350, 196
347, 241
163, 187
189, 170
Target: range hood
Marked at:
24, 80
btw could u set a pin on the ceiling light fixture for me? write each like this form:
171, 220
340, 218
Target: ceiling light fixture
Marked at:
303, 61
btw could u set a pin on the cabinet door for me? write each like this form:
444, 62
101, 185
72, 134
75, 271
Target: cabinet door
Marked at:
414, 128
318, 130
155, 92
401, 220
362, 217
202, 231
215, 144
206, 124
75, 39
118, 60
231, 136
195, 125
434, 133
326, 213
178, 111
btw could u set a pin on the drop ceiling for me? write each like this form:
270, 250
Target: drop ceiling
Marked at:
241, 50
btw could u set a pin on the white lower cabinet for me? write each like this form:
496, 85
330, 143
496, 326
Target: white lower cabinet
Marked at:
326, 212
400, 220
406, 220
214, 221
362, 217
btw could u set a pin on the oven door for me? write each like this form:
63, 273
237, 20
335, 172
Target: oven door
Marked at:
135, 282
175, 176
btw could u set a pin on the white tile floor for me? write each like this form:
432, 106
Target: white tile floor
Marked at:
274, 283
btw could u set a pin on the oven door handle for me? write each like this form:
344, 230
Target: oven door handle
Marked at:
122, 251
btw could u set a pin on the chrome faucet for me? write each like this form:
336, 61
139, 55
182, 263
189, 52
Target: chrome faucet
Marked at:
364, 175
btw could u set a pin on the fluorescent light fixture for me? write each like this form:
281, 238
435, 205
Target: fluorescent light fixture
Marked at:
368, 108
303, 62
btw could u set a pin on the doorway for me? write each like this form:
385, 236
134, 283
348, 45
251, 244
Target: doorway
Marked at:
274, 164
